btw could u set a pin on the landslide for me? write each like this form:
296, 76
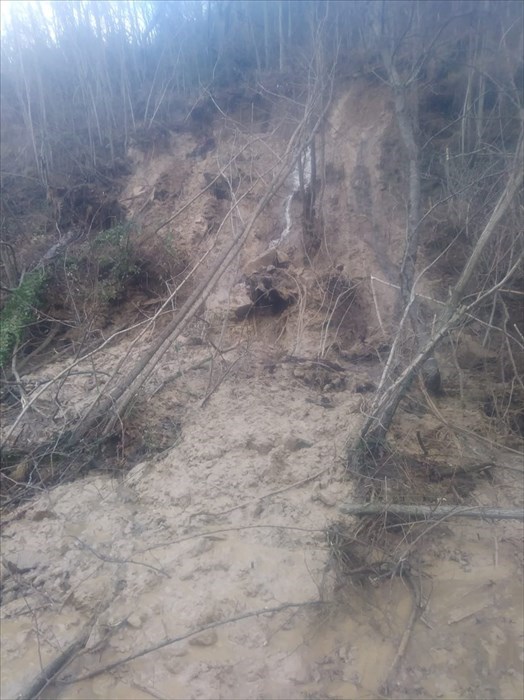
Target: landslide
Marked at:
219, 494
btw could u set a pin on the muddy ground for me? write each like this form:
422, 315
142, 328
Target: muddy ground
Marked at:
235, 469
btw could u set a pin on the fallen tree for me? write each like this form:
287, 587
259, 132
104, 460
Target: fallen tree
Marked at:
405, 54
421, 512
110, 405
117, 400
389, 395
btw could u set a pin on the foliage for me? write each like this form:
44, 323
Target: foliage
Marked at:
105, 268
113, 254
19, 311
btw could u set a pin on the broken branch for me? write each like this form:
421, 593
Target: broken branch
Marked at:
429, 512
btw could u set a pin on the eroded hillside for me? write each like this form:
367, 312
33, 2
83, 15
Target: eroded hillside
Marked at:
238, 511
218, 267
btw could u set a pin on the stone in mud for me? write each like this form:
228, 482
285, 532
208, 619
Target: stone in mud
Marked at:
24, 561
277, 458
317, 495
364, 387
271, 257
294, 443
431, 377
273, 291
261, 444
135, 620
240, 303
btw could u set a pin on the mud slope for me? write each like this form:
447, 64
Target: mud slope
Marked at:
230, 517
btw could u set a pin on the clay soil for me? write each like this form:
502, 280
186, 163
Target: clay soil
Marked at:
217, 509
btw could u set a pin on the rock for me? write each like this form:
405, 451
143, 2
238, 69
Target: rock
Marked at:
39, 515
135, 620
273, 291
24, 561
220, 187
173, 666
431, 377
277, 458
293, 443
5, 573
317, 495
177, 650
271, 257
364, 388
186, 576
9, 597
204, 639
263, 445
239, 302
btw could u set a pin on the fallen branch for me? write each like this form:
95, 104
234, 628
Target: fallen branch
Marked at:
259, 498
114, 560
46, 676
180, 373
212, 534
429, 512
192, 633
416, 611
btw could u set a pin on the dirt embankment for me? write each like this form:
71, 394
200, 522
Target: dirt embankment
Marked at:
231, 516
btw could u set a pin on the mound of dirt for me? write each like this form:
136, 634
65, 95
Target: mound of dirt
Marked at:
218, 565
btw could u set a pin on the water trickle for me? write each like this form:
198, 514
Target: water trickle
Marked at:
295, 179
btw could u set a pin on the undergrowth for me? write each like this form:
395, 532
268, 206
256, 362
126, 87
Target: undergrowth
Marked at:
113, 256
19, 311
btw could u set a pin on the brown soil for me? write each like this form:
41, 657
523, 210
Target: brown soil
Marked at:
244, 470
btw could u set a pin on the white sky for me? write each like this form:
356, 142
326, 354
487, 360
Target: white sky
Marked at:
6, 7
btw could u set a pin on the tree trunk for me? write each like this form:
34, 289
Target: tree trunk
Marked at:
281, 39
432, 512
266, 35
407, 127
115, 401
377, 424
512, 187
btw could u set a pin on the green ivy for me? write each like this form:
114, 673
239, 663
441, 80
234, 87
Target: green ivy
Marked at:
113, 251
18, 312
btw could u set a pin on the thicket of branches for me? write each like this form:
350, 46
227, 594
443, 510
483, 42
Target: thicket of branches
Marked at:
78, 78
455, 74
80, 81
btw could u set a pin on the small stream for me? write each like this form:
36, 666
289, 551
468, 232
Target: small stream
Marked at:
295, 180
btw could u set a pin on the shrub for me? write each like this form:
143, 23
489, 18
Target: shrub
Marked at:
19, 311
113, 257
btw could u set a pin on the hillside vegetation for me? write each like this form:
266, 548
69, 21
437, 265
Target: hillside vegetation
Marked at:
261, 274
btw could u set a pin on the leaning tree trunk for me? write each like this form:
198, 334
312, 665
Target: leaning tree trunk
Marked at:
378, 422
407, 127
105, 411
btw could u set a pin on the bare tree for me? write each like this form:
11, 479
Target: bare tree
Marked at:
457, 309
405, 51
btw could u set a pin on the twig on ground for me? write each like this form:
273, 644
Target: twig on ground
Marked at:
218, 382
416, 610
437, 511
113, 560
49, 673
192, 633
211, 533
177, 375
260, 498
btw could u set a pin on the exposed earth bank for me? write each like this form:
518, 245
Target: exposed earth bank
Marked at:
240, 469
